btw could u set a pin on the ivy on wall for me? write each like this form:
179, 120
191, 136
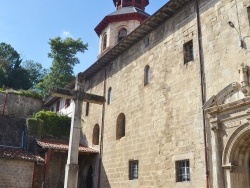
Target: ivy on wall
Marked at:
49, 124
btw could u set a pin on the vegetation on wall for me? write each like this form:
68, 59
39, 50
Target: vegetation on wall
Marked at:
49, 124
25, 93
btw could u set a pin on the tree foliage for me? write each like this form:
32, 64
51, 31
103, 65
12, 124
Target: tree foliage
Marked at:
63, 54
49, 124
13, 74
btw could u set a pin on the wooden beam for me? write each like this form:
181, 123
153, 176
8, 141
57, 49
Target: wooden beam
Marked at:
91, 98
63, 93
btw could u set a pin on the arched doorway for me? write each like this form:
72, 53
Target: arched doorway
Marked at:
236, 158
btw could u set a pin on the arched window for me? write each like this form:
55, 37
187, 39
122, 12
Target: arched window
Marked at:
96, 132
120, 126
121, 34
146, 75
109, 95
104, 41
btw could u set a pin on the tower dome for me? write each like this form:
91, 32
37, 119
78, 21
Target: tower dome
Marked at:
114, 27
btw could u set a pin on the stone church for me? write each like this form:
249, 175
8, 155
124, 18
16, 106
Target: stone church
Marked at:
177, 94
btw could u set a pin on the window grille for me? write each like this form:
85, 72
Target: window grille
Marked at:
133, 169
188, 52
182, 170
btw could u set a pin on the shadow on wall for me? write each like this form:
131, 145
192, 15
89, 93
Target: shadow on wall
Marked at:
89, 173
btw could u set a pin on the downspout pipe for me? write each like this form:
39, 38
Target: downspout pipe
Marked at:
203, 88
102, 130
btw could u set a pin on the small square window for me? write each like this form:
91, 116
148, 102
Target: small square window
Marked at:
133, 169
188, 52
182, 170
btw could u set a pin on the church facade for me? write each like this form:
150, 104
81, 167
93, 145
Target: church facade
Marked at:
177, 96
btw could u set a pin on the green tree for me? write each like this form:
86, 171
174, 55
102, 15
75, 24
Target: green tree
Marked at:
11, 72
63, 53
35, 70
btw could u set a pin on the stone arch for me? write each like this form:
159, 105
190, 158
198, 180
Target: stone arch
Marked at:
223, 95
236, 157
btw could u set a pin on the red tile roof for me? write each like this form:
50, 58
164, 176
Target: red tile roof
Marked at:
18, 153
63, 145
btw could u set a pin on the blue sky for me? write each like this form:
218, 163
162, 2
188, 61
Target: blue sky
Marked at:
27, 25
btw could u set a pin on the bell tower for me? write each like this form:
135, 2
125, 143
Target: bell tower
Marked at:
114, 27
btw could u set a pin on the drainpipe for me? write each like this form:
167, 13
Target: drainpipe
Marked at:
102, 130
203, 89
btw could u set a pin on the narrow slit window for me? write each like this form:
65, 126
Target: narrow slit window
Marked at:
104, 42
109, 95
146, 75
87, 109
188, 52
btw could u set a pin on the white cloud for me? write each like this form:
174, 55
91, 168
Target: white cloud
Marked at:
66, 34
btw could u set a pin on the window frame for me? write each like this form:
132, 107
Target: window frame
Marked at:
188, 51
182, 168
133, 169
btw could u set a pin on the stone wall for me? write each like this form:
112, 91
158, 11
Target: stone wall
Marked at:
164, 118
12, 130
16, 173
18, 106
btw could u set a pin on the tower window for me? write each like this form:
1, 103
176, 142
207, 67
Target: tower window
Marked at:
104, 41
120, 126
87, 109
96, 132
188, 52
109, 95
182, 170
133, 169
146, 75
121, 34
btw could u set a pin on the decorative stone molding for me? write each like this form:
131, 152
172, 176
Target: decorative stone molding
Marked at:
229, 150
